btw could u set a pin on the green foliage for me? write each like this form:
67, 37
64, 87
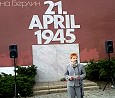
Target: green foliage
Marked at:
7, 85
25, 85
92, 70
29, 71
100, 70
25, 80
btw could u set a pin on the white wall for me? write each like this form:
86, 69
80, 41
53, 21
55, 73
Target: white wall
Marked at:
7, 70
51, 60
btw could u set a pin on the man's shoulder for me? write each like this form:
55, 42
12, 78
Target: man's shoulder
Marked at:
67, 65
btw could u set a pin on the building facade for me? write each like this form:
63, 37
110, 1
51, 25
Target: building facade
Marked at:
91, 22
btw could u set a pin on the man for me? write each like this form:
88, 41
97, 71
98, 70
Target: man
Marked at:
74, 75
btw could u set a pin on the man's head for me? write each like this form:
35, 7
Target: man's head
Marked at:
73, 57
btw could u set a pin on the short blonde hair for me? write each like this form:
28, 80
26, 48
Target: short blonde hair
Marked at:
73, 54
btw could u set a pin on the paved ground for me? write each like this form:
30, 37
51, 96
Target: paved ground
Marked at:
108, 93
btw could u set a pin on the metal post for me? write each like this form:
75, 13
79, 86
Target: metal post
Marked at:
110, 74
15, 77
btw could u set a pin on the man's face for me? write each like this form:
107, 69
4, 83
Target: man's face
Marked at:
74, 59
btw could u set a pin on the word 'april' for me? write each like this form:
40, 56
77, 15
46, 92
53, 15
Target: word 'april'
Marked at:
56, 20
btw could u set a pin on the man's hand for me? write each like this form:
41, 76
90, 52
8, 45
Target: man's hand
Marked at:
78, 77
70, 78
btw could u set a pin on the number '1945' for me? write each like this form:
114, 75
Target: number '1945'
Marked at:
49, 36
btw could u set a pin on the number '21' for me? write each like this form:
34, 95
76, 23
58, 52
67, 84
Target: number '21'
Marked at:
52, 5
